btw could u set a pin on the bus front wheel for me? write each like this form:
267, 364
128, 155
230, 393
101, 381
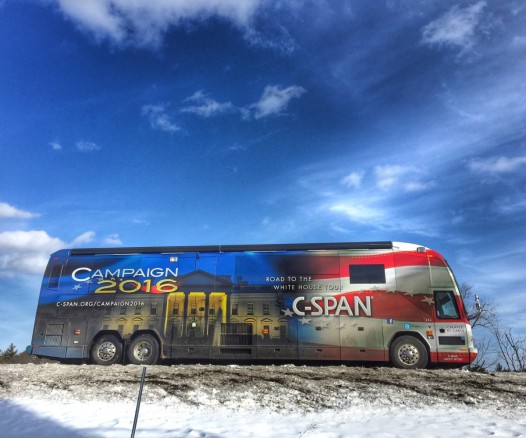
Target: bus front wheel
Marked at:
408, 352
107, 350
143, 350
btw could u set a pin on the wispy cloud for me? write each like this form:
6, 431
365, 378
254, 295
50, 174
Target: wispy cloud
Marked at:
112, 240
456, 28
9, 212
497, 165
138, 221
275, 100
381, 199
55, 146
396, 176
357, 212
87, 146
83, 239
237, 147
353, 180
205, 106
159, 119
144, 24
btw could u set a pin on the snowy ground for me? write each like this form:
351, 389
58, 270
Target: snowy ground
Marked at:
258, 401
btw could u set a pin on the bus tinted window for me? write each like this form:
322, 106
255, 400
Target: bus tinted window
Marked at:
446, 305
54, 277
363, 274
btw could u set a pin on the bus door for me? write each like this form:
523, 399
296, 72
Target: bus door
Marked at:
451, 331
177, 311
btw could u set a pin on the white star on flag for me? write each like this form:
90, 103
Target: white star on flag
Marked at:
305, 321
77, 287
429, 300
288, 312
324, 324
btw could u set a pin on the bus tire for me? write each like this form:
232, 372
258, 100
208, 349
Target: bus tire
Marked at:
143, 350
107, 350
408, 352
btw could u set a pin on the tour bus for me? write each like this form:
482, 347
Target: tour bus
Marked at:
348, 302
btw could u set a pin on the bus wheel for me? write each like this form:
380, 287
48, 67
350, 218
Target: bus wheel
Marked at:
143, 350
106, 350
408, 352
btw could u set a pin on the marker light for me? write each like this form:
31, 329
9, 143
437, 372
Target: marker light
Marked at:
76, 332
429, 333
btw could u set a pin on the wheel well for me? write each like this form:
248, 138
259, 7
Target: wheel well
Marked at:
104, 333
414, 335
152, 333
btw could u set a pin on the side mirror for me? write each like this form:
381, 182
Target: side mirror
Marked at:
477, 304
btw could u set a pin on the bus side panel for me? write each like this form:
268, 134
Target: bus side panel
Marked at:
366, 278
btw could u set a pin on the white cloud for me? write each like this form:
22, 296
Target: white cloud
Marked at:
356, 212
87, 146
205, 106
455, 28
84, 238
9, 212
388, 176
55, 146
497, 165
28, 252
159, 119
275, 100
353, 180
144, 24
274, 36
112, 240
396, 176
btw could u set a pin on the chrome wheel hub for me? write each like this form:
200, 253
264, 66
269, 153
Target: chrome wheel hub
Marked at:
409, 354
142, 351
107, 351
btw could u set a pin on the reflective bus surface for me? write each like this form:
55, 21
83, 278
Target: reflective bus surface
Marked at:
375, 301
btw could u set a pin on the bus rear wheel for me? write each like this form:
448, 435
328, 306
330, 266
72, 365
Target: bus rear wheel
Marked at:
408, 352
107, 350
143, 350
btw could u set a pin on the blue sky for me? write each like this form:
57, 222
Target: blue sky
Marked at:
129, 123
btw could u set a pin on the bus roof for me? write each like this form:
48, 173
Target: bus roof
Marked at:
233, 248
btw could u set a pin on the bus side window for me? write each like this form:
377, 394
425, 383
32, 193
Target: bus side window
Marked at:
54, 276
446, 306
367, 274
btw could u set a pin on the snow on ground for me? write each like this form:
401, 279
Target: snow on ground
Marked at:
216, 401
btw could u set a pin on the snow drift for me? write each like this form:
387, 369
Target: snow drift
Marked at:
54, 400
